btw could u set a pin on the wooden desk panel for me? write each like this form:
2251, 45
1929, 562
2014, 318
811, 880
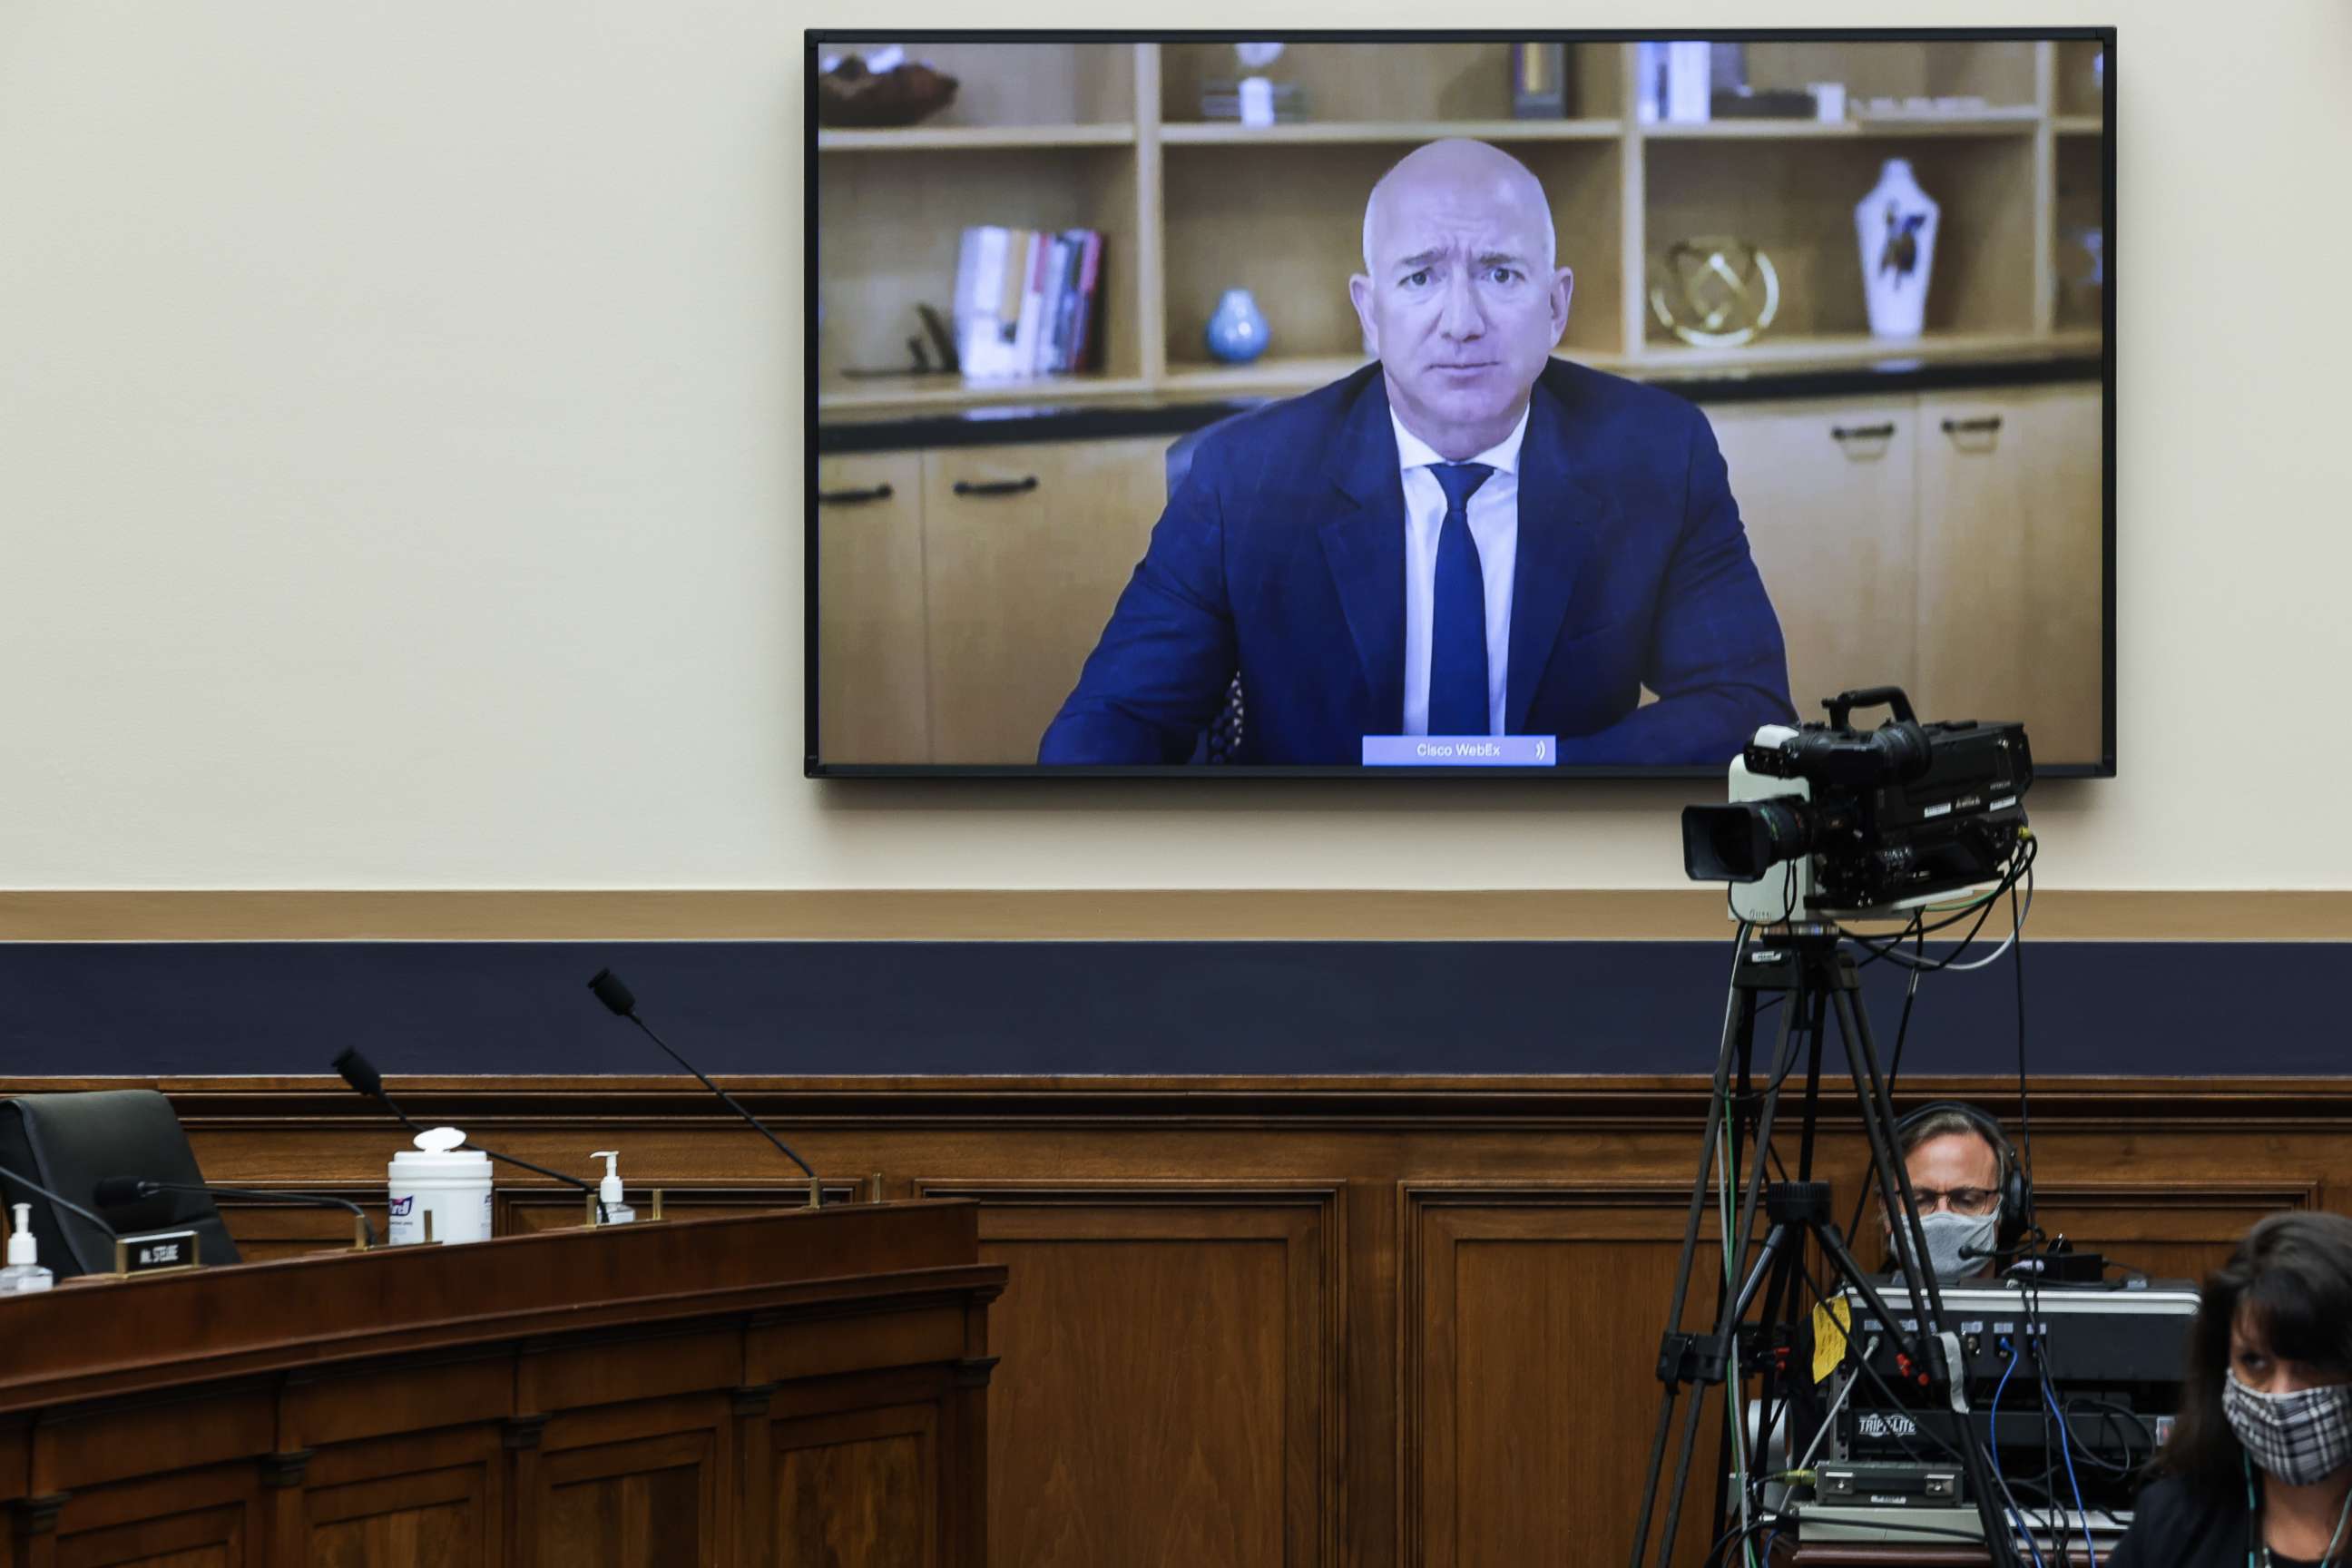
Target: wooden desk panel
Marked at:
632, 1395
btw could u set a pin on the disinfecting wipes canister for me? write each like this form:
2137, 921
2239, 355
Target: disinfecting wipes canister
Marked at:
441, 1179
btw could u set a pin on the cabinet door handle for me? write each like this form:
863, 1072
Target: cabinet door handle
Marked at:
1990, 423
852, 498
1022, 486
1861, 432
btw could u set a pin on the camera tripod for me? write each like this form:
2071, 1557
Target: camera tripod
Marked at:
1805, 966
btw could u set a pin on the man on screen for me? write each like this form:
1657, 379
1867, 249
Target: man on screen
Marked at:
1467, 538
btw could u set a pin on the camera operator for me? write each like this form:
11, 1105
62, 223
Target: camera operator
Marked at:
1970, 1189
2258, 1467
1970, 1192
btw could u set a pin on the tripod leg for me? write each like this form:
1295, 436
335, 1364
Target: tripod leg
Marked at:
1911, 1249
1784, 1303
1734, 1461
1738, 1026
1816, 1031
1886, 1166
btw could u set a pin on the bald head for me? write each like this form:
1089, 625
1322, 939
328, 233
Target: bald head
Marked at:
1459, 170
1462, 297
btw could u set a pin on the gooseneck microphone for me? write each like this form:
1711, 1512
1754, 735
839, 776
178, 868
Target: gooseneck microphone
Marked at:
62, 1202
617, 998
115, 1191
360, 1074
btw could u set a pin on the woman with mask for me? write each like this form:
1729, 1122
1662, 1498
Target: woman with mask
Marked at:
2258, 1471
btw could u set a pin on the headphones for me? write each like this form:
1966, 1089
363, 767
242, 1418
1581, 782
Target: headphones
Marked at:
2012, 1175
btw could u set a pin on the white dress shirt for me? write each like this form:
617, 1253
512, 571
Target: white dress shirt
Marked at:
1493, 513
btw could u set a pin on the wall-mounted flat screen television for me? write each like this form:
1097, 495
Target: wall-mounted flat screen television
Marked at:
1421, 404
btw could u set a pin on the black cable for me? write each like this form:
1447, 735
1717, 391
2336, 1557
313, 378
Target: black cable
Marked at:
2110, 1419
1799, 1031
815, 1195
2112, 1412
1862, 1364
1902, 1030
1853, 1353
2013, 871
1913, 929
2020, 867
1903, 1022
2024, 1095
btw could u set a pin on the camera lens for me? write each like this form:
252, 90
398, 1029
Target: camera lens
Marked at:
1741, 842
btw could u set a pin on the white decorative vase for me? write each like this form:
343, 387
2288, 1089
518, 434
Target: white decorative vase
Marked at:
1895, 225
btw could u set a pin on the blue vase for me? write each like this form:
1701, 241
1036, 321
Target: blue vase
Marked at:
1237, 330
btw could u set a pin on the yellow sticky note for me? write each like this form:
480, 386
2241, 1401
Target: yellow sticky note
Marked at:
1831, 1320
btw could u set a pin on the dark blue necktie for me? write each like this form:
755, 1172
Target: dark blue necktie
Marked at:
1457, 612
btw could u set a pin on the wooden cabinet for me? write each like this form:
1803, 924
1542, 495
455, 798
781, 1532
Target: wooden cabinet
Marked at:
2010, 555
1826, 492
1025, 552
961, 589
1948, 544
874, 661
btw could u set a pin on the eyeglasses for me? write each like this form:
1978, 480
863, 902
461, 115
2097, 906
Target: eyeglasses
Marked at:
1971, 1200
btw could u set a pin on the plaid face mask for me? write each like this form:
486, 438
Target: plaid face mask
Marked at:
2301, 1437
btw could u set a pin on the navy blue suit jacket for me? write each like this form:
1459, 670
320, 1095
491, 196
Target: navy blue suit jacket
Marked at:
1282, 556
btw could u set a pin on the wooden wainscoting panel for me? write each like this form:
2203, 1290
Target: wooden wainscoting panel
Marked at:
116, 1443
358, 1424
2167, 1229
1313, 1358
1529, 1340
517, 1211
1138, 1312
212, 1538
621, 1505
267, 1231
848, 1490
200, 1518
420, 1520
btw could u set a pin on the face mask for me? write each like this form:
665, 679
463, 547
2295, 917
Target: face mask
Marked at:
1951, 1235
2302, 1438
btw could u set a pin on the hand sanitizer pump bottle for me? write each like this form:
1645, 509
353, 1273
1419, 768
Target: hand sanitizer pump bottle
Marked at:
24, 1272
608, 1190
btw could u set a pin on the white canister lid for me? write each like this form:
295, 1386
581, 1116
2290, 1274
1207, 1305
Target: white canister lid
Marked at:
437, 1154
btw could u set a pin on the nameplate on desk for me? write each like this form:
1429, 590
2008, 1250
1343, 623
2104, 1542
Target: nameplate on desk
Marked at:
157, 1252
1461, 751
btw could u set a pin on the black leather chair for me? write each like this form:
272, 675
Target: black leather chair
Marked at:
1221, 743
70, 1142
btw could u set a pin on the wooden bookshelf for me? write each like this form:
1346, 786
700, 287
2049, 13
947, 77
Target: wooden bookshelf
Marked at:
1405, 134
2013, 123
1110, 136
960, 138
948, 392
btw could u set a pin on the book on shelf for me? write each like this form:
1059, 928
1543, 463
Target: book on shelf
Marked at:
1024, 300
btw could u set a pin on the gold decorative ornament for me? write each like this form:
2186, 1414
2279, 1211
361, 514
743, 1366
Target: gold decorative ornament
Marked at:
1714, 292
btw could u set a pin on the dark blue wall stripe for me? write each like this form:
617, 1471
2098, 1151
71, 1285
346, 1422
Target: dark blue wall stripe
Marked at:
1117, 1007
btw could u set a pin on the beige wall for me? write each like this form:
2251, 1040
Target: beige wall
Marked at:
400, 464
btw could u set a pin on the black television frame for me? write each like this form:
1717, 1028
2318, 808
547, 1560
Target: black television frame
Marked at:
814, 39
